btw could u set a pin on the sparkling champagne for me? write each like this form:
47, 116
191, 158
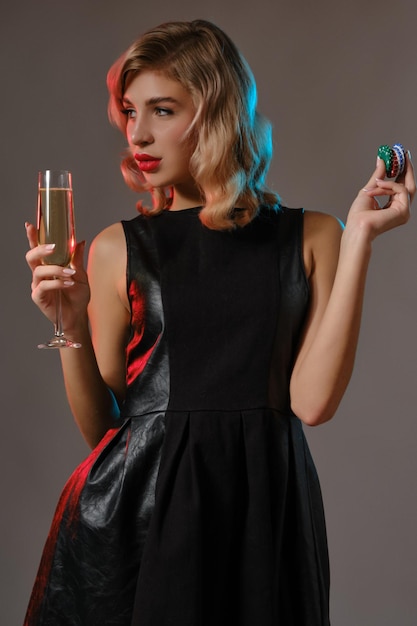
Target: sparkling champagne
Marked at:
56, 224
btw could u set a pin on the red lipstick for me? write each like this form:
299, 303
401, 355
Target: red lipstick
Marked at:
146, 162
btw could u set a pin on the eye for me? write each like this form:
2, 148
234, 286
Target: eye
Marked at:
162, 112
128, 112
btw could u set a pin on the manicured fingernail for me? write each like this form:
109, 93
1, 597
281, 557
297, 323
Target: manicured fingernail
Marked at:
68, 283
69, 271
50, 246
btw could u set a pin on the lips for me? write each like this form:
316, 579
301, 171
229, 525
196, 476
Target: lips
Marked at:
146, 162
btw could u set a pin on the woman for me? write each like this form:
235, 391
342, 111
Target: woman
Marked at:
220, 321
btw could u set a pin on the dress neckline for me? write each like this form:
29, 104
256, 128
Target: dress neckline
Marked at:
192, 209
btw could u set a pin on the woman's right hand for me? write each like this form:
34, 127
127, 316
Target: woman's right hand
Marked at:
46, 279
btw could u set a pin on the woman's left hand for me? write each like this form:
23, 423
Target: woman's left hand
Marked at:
366, 213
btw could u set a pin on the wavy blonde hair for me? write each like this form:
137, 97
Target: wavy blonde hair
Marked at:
233, 142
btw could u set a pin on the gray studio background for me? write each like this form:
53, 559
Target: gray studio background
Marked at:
337, 79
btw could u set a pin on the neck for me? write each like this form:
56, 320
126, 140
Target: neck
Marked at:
185, 199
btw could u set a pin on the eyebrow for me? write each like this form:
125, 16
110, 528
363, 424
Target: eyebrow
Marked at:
153, 101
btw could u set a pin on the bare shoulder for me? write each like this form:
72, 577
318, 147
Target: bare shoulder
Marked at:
110, 241
321, 240
107, 261
321, 224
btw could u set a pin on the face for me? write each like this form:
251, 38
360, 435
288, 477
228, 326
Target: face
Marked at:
159, 112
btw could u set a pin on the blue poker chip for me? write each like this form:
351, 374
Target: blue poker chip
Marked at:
394, 159
399, 150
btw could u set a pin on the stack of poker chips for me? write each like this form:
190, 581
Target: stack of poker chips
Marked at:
394, 159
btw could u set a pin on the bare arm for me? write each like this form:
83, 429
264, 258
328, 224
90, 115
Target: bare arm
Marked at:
337, 279
99, 366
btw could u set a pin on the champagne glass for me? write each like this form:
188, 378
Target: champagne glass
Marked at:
55, 223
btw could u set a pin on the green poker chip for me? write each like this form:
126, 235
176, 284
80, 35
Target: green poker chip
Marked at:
386, 154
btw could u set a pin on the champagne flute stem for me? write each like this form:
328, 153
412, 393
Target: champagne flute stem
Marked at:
59, 332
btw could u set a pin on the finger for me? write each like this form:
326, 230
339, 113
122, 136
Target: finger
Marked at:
398, 197
410, 177
31, 234
50, 284
49, 272
378, 173
78, 256
42, 291
391, 187
398, 200
407, 176
35, 256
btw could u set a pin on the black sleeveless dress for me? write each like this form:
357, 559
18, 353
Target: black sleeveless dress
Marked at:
203, 507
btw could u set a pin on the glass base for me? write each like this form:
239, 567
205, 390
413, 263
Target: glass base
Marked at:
59, 342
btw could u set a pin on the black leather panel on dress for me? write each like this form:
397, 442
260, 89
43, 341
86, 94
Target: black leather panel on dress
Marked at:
147, 351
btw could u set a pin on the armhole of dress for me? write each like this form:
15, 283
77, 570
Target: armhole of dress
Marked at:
300, 245
125, 226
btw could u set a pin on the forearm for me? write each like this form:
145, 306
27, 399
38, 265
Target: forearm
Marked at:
321, 376
92, 404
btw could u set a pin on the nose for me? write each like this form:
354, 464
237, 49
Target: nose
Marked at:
140, 132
